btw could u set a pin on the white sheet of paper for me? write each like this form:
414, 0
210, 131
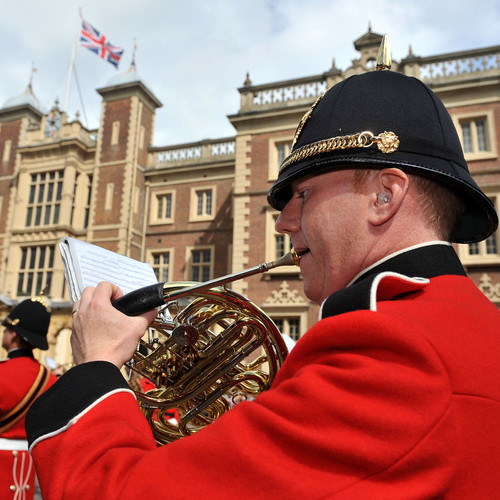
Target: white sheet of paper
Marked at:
87, 265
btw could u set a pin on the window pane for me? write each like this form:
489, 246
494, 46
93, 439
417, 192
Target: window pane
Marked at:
159, 213
467, 137
208, 203
51, 257
168, 206
196, 274
294, 325
46, 219
281, 153
48, 281
492, 245
29, 284
20, 280
32, 258
39, 283
41, 191
481, 135
38, 215
29, 214
56, 213
41, 257
473, 248
199, 210
280, 245
23, 258
32, 191
50, 191
279, 324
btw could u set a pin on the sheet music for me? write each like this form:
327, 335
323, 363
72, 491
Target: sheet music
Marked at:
87, 265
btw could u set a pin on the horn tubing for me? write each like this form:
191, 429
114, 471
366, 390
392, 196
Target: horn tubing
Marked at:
147, 298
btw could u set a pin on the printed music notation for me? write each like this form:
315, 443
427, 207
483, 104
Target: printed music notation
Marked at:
86, 264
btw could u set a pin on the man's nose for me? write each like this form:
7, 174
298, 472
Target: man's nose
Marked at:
288, 220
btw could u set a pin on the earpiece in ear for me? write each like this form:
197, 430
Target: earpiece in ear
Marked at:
383, 198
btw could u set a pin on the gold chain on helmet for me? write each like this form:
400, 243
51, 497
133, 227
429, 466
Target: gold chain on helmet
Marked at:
387, 142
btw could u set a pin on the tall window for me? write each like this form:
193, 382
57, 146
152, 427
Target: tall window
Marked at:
201, 264
164, 207
161, 265
35, 271
291, 326
282, 243
474, 135
278, 151
282, 151
204, 202
277, 245
44, 200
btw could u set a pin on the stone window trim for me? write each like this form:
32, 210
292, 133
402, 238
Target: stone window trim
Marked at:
202, 205
491, 152
271, 246
158, 199
36, 268
44, 198
279, 149
163, 270
206, 267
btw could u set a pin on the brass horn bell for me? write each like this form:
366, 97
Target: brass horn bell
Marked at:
208, 349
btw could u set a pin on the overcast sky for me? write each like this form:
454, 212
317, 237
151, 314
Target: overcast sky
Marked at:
194, 54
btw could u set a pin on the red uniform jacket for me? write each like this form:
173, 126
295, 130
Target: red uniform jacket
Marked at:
20, 378
401, 393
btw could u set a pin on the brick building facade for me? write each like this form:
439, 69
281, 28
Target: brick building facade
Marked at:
197, 211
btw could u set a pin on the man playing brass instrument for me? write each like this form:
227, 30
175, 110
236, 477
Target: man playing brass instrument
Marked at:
398, 376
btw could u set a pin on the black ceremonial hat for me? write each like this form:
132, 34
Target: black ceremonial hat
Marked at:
30, 319
386, 119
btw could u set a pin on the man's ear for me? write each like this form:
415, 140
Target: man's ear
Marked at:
388, 190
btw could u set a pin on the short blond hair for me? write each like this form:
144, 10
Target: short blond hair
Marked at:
441, 206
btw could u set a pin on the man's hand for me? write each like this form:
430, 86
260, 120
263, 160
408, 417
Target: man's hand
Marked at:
101, 332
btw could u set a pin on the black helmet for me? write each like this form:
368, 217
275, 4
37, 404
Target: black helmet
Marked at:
386, 119
30, 320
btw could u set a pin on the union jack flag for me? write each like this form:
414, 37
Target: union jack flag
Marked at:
97, 43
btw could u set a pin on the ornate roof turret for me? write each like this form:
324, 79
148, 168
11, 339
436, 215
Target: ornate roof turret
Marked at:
129, 76
124, 82
27, 98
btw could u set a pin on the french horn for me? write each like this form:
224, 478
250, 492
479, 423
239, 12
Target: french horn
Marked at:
208, 349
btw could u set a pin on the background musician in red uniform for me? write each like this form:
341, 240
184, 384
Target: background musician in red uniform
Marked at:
22, 379
400, 374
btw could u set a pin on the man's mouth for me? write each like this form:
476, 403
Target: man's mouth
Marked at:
301, 252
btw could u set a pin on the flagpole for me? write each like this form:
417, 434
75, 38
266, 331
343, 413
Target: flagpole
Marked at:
71, 65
